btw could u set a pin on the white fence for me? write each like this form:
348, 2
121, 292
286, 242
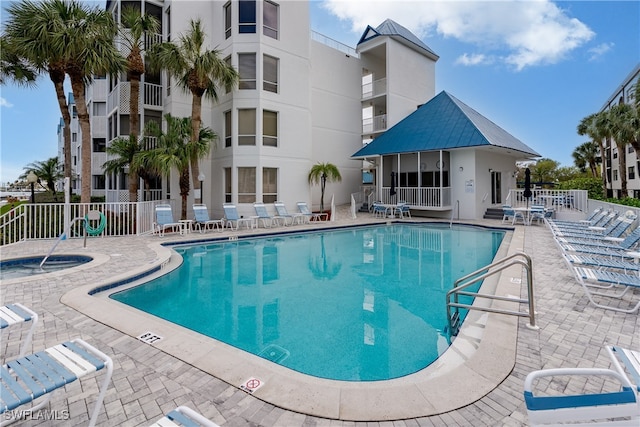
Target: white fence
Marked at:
50, 220
558, 199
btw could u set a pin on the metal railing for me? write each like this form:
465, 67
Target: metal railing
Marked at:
334, 44
374, 88
518, 258
419, 197
49, 220
576, 200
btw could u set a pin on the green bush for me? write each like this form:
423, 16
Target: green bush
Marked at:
592, 185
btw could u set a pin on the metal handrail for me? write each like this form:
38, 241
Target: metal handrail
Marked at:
453, 319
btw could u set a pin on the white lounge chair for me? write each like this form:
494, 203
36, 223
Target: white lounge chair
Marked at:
164, 220
263, 215
311, 216
30, 377
15, 314
202, 220
231, 217
183, 416
285, 215
618, 407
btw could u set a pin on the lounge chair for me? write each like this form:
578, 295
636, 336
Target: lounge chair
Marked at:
164, 220
183, 416
601, 262
591, 279
202, 220
593, 408
27, 378
231, 217
282, 212
263, 215
311, 216
620, 249
598, 237
15, 314
590, 218
601, 220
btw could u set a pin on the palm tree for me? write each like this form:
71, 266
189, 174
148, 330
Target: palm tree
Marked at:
125, 150
47, 171
586, 154
14, 67
175, 150
199, 71
594, 126
320, 173
623, 130
29, 32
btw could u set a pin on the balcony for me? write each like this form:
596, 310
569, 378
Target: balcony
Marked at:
374, 124
375, 88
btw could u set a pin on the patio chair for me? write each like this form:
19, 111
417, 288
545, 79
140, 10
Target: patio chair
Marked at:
537, 213
37, 375
380, 210
282, 212
164, 220
508, 213
263, 215
588, 409
202, 220
15, 314
183, 416
606, 279
402, 209
232, 217
311, 216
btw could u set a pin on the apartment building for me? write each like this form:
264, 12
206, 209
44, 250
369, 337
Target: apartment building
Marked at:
302, 99
611, 157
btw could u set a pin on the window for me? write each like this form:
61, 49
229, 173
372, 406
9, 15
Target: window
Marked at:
227, 61
247, 16
227, 20
269, 185
74, 137
246, 185
227, 185
227, 128
615, 174
270, 19
270, 73
269, 128
99, 108
632, 173
247, 127
247, 70
74, 112
98, 182
630, 149
615, 154
99, 145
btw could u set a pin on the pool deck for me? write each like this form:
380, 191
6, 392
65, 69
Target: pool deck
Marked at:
480, 383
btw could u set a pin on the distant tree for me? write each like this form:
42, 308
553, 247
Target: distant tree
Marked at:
566, 173
48, 171
123, 152
544, 170
586, 155
320, 173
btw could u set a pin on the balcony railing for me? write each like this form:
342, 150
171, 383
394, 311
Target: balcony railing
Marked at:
419, 197
375, 88
374, 124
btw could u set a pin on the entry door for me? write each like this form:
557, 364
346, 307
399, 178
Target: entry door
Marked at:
496, 188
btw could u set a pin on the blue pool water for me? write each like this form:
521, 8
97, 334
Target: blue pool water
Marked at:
30, 266
358, 304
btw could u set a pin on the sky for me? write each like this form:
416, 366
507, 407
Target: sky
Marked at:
533, 67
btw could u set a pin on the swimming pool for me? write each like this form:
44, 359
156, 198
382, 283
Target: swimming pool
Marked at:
359, 304
30, 266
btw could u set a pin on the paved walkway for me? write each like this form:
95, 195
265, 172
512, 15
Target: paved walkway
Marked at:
148, 383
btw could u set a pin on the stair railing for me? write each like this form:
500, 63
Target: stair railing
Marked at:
454, 306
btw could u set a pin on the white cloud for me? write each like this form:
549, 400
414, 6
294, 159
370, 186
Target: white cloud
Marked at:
5, 103
474, 59
518, 33
600, 50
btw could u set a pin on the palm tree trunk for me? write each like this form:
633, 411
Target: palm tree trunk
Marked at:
622, 154
134, 126
57, 75
196, 120
603, 172
184, 191
78, 87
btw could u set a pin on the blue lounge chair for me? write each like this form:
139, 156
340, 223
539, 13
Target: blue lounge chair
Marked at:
202, 220
15, 314
619, 250
590, 218
590, 279
185, 417
263, 215
282, 212
231, 217
311, 216
598, 237
164, 220
619, 407
30, 377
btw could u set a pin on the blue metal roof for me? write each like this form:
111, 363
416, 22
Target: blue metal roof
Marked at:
393, 29
443, 123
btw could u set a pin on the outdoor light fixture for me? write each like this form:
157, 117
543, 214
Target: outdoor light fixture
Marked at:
32, 178
490, 170
460, 168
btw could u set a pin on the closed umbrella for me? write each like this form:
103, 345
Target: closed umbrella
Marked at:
527, 185
392, 192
